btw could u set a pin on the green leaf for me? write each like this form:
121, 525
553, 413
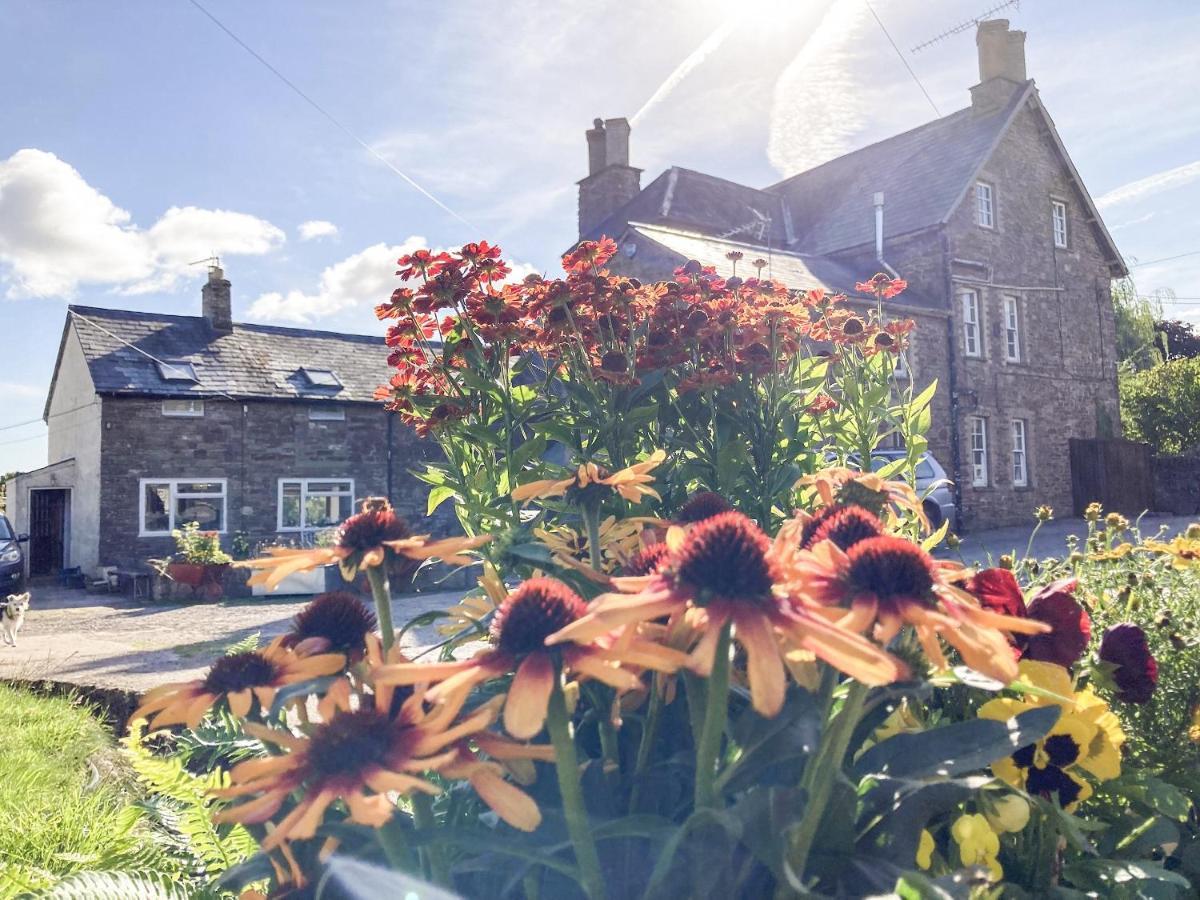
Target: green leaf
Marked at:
956, 749
699, 819
437, 497
1153, 793
298, 690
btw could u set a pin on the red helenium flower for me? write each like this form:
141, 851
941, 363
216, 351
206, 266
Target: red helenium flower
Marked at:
997, 590
1136, 673
1055, 605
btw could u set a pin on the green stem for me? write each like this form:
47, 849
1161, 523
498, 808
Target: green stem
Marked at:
646, 745
425, 820
591, 520
821, 773
566, 767
382, 592
395, 845
716, 711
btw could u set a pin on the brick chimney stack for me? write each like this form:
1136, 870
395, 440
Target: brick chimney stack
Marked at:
1001, 65
611, 182
216, 300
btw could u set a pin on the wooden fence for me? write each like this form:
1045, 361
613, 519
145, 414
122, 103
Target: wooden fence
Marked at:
1116, 473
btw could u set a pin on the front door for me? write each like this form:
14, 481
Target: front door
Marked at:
47, 531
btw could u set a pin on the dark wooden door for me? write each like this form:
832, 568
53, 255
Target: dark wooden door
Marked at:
47, 530
1114, 473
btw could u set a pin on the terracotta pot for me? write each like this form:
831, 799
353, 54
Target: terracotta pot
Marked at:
190, 574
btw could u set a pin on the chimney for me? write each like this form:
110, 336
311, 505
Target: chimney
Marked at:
216, 302
1001, 65
611, 182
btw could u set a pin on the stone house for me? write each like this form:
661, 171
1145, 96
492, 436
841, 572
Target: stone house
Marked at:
267, 433
982, 212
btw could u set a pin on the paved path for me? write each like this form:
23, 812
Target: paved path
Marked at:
984, 547
112, 642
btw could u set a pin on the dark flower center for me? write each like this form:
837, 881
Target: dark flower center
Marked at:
1052, 781
340, 618
1062, 749
646, 561
238, 672
533, 612
725, 558
891, 569
1024, 757
701, 506
613, 361
350, 742
853, 325
844, 525
376, 523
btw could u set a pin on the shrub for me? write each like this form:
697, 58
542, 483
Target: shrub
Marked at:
1161, 405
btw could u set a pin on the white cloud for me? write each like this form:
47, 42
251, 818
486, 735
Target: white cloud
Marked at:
19, 389
1152, 184
57, 232
360, 281
818, 105
316, 228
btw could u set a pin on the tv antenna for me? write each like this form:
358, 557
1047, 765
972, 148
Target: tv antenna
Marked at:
214, 261
967, 23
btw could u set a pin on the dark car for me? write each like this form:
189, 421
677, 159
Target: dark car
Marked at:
12, 560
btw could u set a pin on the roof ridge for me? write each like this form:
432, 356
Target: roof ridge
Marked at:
103, 311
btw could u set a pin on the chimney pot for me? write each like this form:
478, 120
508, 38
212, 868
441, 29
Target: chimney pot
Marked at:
216, 301
616, 142
1001, 51
595, 145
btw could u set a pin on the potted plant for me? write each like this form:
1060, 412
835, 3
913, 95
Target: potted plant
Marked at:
199, 562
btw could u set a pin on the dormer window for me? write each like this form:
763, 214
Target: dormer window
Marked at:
177, 370
985, 207
325, 378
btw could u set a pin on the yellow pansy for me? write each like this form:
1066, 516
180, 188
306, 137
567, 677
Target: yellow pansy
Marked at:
977, 844
925, 848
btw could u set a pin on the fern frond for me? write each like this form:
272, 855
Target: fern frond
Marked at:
125, 886
245, 645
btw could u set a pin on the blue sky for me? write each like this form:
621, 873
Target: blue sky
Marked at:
137, 137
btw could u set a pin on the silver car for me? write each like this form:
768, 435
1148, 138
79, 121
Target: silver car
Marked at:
933, 485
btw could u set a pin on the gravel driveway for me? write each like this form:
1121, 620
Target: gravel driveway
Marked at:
112, 642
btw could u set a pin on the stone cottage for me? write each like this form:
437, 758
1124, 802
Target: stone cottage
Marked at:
254, 430
982, 212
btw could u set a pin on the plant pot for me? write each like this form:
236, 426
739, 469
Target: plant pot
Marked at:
191, 574
205, 581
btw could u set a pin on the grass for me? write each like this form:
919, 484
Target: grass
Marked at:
67, 801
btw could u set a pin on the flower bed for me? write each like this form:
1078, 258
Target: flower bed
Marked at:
720, 661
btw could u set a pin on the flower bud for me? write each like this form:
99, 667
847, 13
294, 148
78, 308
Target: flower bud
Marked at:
1009, 813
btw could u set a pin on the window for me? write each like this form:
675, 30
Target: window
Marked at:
979, 462
170, 503
900, 367
1020, 456
1059, 215
985, 210
184, 407
321, 377
1012, 330
972, 335
308, 503
177, 370
326, 414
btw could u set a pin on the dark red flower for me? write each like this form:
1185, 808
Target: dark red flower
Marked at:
997, 590
1136, 673
646, 561
1055, 605
701, 506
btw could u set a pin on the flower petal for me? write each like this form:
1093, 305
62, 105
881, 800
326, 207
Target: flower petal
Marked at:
529, 696
509, 802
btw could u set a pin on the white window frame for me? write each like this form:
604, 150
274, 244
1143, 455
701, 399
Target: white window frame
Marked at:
193, 410
326, 414
979, 456
972, 312
1058, 220
176, 495
985, 205
1020, 438
1012, 329
304, 493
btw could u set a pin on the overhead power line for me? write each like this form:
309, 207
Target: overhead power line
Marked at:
1150, 262
886, 34
330, 116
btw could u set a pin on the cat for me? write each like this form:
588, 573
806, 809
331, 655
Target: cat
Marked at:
12, 616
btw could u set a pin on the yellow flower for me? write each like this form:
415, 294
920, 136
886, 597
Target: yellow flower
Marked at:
1120, 551
1044, 513
1184, 551
925, 849
1009, 813
470, 613
901, 720
866, 489
619, 541
630, 482
978, 845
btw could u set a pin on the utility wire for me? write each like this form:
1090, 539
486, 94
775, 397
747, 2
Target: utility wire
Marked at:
328, 115
886, 34
1150, 262
39, 421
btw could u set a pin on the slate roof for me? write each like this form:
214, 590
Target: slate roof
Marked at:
797, 271
251, 361
922, 174
704, 202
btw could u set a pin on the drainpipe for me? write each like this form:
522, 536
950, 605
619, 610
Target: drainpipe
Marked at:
879, 236
391, 433
952, 384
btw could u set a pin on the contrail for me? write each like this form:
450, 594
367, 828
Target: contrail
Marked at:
1152, 184
707, 47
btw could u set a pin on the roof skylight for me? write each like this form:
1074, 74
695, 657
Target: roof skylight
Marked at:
321, 377
177, 370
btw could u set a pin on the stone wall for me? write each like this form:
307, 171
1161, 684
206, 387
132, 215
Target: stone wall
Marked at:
251, 445
1177, 484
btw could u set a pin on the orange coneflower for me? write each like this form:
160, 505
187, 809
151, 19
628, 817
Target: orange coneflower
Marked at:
631, 482
239, 678
337, 621
724, 569
867, 489
365, 540
537, 609
358, 754
888, 582
845, 525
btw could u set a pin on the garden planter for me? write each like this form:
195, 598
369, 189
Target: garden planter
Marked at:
191, 581
191, 574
